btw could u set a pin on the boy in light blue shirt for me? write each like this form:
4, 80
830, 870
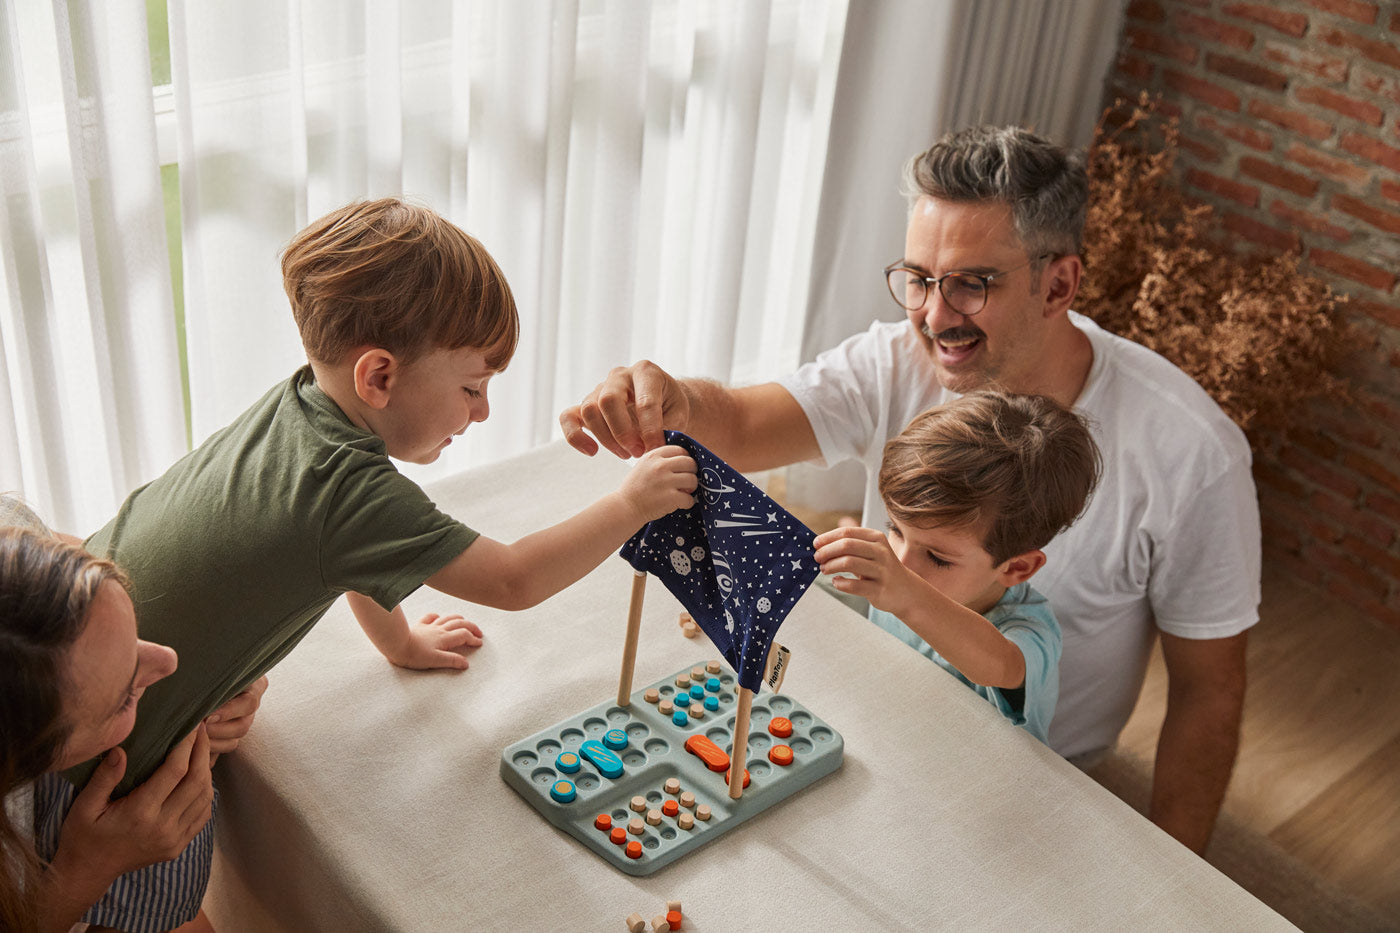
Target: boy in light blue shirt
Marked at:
974, 489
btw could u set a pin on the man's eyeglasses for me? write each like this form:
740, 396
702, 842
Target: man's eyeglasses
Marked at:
964, 292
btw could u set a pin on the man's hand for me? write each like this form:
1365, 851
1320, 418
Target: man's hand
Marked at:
435, 641
228, 724
627, 411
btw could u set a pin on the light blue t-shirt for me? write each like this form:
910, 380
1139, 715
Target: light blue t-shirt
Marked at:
1024, 617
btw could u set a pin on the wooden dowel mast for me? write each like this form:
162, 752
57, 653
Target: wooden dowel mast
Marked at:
738, 756
634, 628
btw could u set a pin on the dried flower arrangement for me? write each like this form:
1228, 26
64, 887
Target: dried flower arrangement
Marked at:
1259, 335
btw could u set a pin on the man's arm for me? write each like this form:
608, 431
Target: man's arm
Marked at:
1200, 734
752, 428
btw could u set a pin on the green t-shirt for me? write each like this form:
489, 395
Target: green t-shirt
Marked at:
244, 544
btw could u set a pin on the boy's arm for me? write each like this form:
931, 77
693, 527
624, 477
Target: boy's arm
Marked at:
966, 639
431, 643
525, 573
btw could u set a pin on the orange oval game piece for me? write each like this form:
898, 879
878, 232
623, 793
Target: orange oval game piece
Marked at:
634, 849
746, 776
780, 755
711, 754
780, 726
670, 808
603, 822
618, 835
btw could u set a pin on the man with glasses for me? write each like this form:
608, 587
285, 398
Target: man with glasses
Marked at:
1168, 546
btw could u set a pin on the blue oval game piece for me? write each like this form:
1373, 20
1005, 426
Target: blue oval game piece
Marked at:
712, 703
568, 762
608, 764
697, 691
615, 739
712, 685
680, 718
563, 791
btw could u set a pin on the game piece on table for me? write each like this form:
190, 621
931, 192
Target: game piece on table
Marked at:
636, 923
697, 711
672, 786
634, 849
690, 630
602, 821
713, 666
686, 821
687, 799
697, 674
618, 836
712, 685
780, 726
673, 919
638, 803
654, 817
665, 707
780, 755
567, 762
680, 718
702, 812
636, 826
683, 618
673, 905
659, 923
711, 703
615, 739
670, 807
563, 791
652, 695
683, 681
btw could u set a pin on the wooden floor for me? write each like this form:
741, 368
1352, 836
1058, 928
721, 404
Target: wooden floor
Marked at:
1318, 772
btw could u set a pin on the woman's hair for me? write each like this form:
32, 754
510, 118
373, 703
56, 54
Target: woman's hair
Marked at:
46, 589
1018, 467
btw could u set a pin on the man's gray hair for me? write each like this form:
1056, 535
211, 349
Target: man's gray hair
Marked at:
1044, 184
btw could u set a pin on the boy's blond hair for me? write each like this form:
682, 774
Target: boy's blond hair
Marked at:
398, 276
1019, 466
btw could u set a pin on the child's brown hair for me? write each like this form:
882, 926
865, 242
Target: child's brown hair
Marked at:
399, 276
1019, 466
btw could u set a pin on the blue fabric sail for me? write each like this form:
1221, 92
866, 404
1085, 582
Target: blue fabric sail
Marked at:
736, 560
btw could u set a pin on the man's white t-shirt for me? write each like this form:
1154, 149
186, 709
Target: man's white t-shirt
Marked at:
1170, 536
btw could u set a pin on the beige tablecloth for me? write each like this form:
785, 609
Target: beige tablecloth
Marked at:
369, 798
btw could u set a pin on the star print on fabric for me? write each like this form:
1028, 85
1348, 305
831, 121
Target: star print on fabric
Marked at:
734, 547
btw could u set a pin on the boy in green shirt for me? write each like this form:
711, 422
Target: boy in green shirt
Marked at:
237, 550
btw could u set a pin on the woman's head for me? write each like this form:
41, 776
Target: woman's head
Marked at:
74, 667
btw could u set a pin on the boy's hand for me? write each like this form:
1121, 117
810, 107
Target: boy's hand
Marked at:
103, 838
434, 642
662, 481
879, 576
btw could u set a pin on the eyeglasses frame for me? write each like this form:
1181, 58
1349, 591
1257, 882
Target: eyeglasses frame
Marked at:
936, 282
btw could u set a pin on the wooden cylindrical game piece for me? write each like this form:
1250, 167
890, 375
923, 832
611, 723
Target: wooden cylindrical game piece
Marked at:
687, 799
665, 707
673, 905
683, 681
635, 826
686, 821
683, 618
672, 786
638, 803
702, 812
712, 667
652, 695
697, 674
690, 630
636, 923
697, 711
658, 923
629, 647
740, 751
654, 817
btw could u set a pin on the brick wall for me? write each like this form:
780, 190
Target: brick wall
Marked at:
1290, 116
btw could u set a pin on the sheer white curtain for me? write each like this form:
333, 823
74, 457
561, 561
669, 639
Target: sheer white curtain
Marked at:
90, 399
645, 173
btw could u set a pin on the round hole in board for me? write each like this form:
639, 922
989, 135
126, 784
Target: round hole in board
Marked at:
634, 758
821, 734
726, 698
650, 841
587, 781
572, 738
548, 748
524, 759
780, 704
666, 690
667, 832
594, 725
758, 741
543, 776
718, 735
637, 731
618, 714
621, 816
800, 746
801, 720
758, 769
657, 747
